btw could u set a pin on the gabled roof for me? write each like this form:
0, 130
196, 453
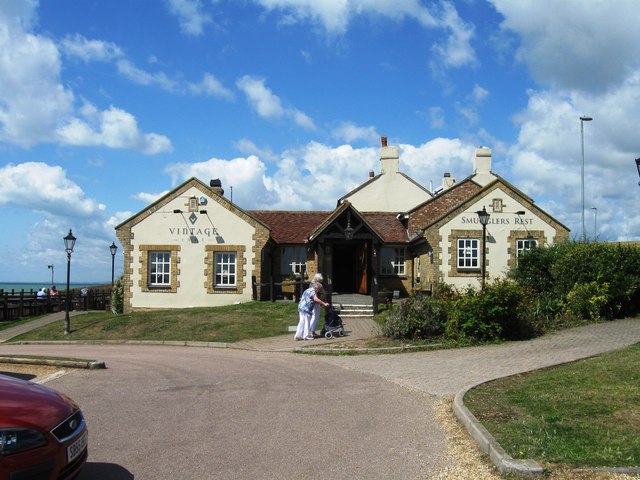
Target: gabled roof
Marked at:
455, 198
371, 180
433, 209
301, 226
176, 192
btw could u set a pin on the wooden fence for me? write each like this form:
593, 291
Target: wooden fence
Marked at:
18, 304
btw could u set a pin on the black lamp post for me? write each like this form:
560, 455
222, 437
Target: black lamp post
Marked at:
638, 165
113, 249
483, 215
69, 242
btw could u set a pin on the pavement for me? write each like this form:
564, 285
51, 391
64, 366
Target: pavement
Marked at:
447, 373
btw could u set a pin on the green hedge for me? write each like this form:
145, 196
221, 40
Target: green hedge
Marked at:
550, 288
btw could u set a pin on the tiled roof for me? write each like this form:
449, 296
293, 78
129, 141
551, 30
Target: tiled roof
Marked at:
290, 226
387, 225
296, 226
435, 208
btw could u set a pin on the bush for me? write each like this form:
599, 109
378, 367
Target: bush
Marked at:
487, 315
418, 317
588, 301
609, 274
117, 297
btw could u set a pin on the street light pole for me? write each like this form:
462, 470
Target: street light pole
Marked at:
638, 166
483, 215
51, 267
113, 248
583, 119
595, 223
69, 242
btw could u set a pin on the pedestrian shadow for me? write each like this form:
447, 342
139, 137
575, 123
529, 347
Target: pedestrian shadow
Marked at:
104, 471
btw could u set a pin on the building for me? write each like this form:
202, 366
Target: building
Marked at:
193, 247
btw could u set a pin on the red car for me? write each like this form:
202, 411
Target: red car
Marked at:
43, 434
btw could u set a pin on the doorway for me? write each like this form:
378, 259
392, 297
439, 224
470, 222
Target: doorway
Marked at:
350, 268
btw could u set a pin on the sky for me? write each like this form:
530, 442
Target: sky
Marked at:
105, 105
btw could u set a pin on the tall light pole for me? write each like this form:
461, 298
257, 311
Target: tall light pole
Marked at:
69, 242
50, 266
483, 215
595, 223
638, 166
113, 248
583, 119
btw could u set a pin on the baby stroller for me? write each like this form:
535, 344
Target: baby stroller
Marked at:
332, 324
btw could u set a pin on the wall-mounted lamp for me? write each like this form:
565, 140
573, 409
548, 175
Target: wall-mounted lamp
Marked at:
203, 212
520, 212
177, 210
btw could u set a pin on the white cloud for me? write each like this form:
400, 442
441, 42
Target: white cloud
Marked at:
45, 188
148, 198
573, 44
34, 105
191, 16
90, 50
31, 96
210, 85
268, 105
546, 161
456, 51
113, 128
315, 175
350, 132
142, 77
334, 16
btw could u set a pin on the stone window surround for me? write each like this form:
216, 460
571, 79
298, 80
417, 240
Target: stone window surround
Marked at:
454, 271
144, 268
210, 269
515, 235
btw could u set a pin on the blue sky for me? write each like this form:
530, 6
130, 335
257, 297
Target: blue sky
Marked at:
107, 104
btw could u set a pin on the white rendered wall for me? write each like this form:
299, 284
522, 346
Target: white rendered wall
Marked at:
500, 227
163, 227
391, 192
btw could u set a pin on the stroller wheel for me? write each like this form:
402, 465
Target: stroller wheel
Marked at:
341, 332
328, 335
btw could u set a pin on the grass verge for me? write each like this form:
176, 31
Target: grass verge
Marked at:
221, 324
583, 414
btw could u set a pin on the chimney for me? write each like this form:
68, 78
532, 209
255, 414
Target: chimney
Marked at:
389, 158
216, 186
448, 181
482, 160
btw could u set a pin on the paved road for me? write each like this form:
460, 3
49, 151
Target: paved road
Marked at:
162, 412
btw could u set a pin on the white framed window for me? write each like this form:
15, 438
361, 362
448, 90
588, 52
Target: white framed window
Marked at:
294, 260
392, 261
225, 271
468, 253
159, 269
523, 244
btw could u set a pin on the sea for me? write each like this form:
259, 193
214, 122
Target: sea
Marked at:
17, 286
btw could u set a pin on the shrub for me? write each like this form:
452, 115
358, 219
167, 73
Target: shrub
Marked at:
487, 315
117, 297
589, 301
418, 317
